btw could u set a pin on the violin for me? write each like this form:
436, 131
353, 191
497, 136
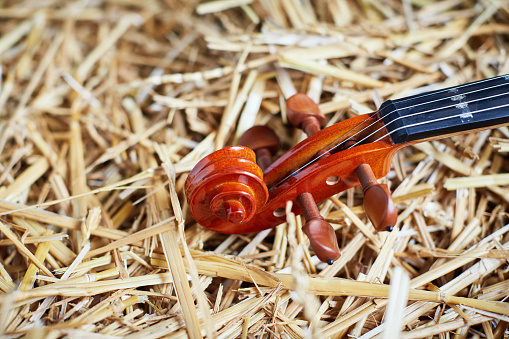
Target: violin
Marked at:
239, 189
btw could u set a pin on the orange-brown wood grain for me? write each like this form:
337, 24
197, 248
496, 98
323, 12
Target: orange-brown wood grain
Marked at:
323, 178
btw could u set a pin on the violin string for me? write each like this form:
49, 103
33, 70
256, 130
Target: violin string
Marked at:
323, 154
454, 89
387, 134
428, 102
441, 119
455, 94
379, 119
424, 112
449, 89
418, 113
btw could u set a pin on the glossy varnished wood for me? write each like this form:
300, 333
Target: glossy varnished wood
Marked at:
229, 193
319, 143
304, 113
226, 188
264, 142
320, 233
329, 175
377, 202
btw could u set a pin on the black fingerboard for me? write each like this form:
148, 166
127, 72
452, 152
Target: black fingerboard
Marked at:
476, 105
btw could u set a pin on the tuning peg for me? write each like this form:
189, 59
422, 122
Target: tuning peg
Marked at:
304, 113
263, 141
378, 203
320, 233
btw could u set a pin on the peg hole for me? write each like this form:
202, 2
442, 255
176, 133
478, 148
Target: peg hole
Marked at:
332, 180
279, 212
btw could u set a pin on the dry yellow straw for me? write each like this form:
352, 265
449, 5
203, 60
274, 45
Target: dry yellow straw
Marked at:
104, 111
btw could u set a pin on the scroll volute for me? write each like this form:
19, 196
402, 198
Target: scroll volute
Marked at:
226, 188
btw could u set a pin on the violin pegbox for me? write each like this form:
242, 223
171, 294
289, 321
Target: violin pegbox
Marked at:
226, 187
227, 191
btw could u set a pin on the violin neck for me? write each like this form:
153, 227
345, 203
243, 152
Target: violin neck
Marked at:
474, 106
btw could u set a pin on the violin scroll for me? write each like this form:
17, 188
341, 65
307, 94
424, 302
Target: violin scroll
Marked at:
226, 187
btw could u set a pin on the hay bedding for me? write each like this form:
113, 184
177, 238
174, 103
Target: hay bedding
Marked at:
106, 106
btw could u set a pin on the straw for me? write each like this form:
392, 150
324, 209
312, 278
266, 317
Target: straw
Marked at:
106, 110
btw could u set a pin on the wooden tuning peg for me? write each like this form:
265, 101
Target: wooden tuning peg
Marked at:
304, 113
320, 233
378, 203
263, 141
